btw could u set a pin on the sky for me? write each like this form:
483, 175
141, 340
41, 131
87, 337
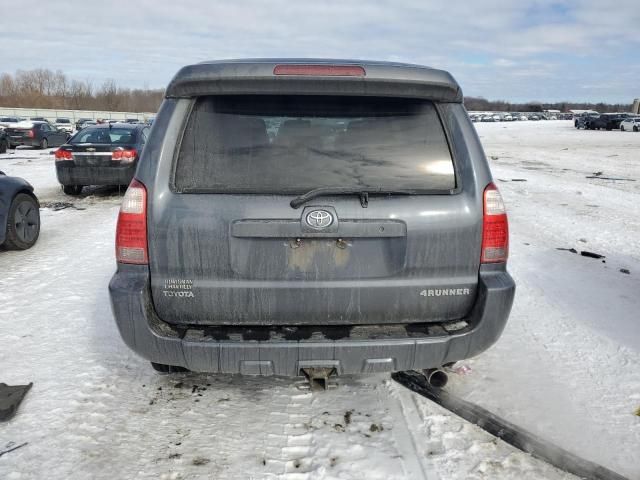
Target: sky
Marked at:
515, 50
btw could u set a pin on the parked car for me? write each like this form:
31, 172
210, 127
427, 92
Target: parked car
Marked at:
487, 118
9, 121
249, 243
81, 121
35, 134
630, 124
507, 118
64, 124
534, 117
4, 141
87, 123
580, 120
497, 118
19, 213
100, 155
38, 119
606, 121
523, 118
132, 120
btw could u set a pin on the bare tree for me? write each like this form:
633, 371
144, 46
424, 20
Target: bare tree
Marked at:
42, 88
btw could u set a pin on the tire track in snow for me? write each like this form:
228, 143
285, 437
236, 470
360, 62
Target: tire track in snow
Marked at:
289, 450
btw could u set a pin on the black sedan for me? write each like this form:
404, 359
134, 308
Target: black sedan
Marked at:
36, 134
100, 155
19, 213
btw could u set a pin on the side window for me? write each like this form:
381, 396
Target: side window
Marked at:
44, 127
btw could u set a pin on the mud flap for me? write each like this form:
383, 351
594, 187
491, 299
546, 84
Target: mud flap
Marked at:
10, 398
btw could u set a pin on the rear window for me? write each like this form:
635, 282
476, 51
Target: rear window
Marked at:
63, 120
105, 135
293, 144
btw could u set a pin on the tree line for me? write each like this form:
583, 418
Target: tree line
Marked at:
43, 88
482, 104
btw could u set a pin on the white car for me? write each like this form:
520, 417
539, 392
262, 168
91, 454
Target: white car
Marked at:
523, 118
630, 124
9, 122
497, 118
507, 118
64, 124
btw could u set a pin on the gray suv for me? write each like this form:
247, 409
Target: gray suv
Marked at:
290, 216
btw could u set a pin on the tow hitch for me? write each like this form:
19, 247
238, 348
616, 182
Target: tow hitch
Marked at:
318, 377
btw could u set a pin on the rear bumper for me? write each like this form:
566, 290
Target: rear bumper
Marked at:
89, 175
23, 142
197, 350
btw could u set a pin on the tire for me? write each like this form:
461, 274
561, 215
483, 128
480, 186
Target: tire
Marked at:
162, 368
23, 223
4, 145
74, 190
621, 128
635, 128
44, 144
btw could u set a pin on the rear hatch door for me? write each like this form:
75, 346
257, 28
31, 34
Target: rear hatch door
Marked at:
227, 247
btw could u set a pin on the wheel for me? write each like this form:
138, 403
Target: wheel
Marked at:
4, 146
635, 128
162, 368
44, 144
23, 223
72, 189
621, 128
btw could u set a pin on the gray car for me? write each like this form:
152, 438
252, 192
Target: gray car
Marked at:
36, 134
313, 217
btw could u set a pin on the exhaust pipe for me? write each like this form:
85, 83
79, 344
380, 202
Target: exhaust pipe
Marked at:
436, 377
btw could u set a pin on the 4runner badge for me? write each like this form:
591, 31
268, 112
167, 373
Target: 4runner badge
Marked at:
444, 292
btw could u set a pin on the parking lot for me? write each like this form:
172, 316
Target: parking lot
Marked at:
566, 367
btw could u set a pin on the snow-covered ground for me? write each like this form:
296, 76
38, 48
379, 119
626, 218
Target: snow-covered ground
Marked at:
567, 366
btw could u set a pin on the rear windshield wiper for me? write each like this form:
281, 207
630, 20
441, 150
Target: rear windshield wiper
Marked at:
362, 192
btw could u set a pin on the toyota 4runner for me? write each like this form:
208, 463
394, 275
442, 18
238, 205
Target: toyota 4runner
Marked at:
289, 215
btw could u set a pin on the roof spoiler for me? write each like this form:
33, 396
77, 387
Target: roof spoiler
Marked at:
380, 79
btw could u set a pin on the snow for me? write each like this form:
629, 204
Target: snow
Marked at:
566, 366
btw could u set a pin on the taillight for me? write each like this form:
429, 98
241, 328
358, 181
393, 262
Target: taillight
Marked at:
320, 70
124, 155
495, 227
31, 134
63, 155
131, 232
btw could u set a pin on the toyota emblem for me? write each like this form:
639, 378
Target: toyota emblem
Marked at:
319, 219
